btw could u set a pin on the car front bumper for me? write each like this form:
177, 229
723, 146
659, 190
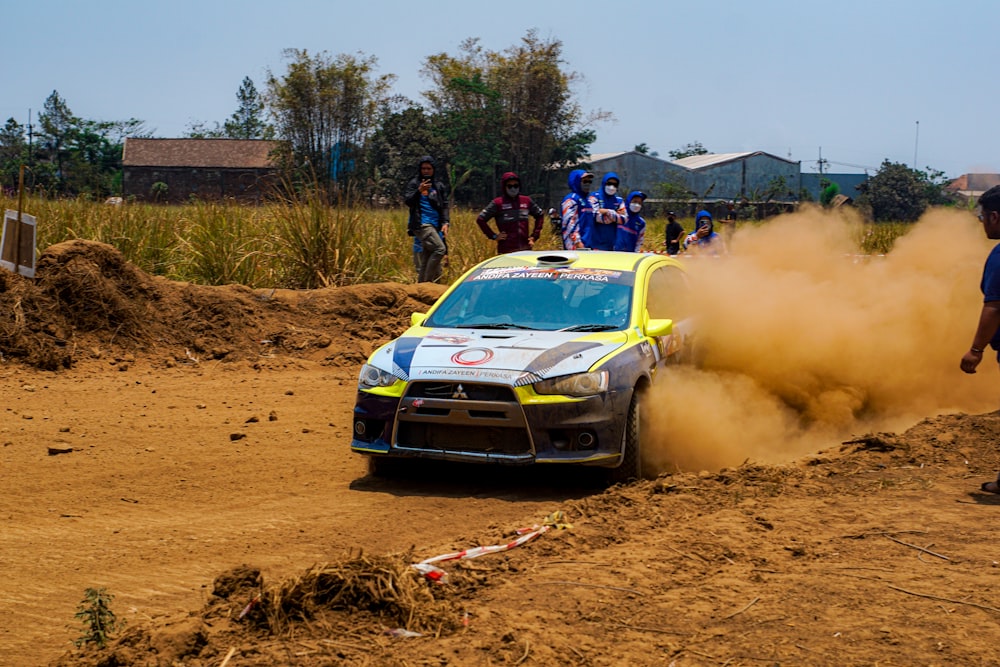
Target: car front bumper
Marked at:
490, 423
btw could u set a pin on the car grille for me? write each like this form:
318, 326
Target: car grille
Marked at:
461, 417
461, 390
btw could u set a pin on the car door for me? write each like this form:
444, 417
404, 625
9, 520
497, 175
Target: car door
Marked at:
668, 296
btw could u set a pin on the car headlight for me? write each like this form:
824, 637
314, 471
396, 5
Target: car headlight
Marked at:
371, 376
583, 384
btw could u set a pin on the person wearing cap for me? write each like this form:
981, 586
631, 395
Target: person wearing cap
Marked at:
576, 210
428, 222
704, 239
632, 232
511, 211
609, 212
674, 234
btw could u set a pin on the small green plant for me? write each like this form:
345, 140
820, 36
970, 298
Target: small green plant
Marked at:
158, 191
99, 622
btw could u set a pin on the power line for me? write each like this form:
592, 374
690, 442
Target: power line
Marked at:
842, 164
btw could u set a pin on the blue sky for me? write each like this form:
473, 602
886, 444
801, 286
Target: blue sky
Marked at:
860, 81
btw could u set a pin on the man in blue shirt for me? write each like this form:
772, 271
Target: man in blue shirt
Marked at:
428, 223
988, 329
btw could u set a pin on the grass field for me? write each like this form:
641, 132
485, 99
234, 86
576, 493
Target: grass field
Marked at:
302, 244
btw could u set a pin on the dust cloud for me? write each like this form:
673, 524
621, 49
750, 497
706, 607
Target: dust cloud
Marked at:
803, 342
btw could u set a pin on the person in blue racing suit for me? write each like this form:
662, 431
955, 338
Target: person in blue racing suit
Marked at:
609, 212
632, 233
577, 213
704, 239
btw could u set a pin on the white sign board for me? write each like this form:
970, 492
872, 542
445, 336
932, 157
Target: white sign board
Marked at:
11, 255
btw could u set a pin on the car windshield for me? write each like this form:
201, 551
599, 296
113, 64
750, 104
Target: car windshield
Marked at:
539, 298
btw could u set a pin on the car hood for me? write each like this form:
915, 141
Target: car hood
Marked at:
510, 357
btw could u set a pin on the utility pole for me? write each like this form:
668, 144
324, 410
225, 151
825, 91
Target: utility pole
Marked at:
821, 162
29, 135
916, 142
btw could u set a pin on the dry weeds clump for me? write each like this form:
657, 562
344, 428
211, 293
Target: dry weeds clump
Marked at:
368, 596
82, 287
95, 288
387, 588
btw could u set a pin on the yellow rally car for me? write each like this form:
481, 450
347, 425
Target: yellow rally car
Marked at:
531, 357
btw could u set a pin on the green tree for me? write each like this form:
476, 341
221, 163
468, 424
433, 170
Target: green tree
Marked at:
828, 193
643, 149
13, 152
404, 135
247, 122
57, 123
466, 114
510, 110
80, 156
674, 193
325, 108
898, 193
687, 150
202, 130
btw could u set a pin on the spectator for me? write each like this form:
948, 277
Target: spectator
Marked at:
511, 211
555, 222
577, 213
674, 234
728, 222
704, 239
428, 222
632, 232
988, 328
609, 212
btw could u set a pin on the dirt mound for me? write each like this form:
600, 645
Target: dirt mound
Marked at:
88, 302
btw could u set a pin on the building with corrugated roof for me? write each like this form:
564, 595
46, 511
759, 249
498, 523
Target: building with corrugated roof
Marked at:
754, 176
636, 171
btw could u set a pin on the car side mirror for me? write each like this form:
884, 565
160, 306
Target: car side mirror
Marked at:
657, 328
416, 319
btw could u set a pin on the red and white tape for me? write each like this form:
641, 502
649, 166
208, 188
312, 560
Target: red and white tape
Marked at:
434, 573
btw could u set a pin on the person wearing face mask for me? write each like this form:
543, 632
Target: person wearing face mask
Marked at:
609, 212
511, 211
704, 239
632, 232
576, 210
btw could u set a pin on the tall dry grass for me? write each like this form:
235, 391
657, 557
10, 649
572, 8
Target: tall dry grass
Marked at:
299, 244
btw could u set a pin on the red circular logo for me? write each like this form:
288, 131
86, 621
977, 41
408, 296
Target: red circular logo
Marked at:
473, 356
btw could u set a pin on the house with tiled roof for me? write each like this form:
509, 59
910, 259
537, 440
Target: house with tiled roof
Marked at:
970, 187
175, 170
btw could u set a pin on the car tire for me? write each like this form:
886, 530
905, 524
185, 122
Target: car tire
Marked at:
630, 468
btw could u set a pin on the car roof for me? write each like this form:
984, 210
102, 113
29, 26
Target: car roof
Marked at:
577, 259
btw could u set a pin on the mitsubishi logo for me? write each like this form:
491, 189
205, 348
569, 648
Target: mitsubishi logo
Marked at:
459, 393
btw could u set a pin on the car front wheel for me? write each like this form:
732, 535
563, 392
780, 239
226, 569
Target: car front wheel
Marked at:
631, 466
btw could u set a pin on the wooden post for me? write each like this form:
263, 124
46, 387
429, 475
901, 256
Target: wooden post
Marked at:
17, 227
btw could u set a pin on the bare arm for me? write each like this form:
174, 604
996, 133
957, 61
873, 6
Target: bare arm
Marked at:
989, 322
